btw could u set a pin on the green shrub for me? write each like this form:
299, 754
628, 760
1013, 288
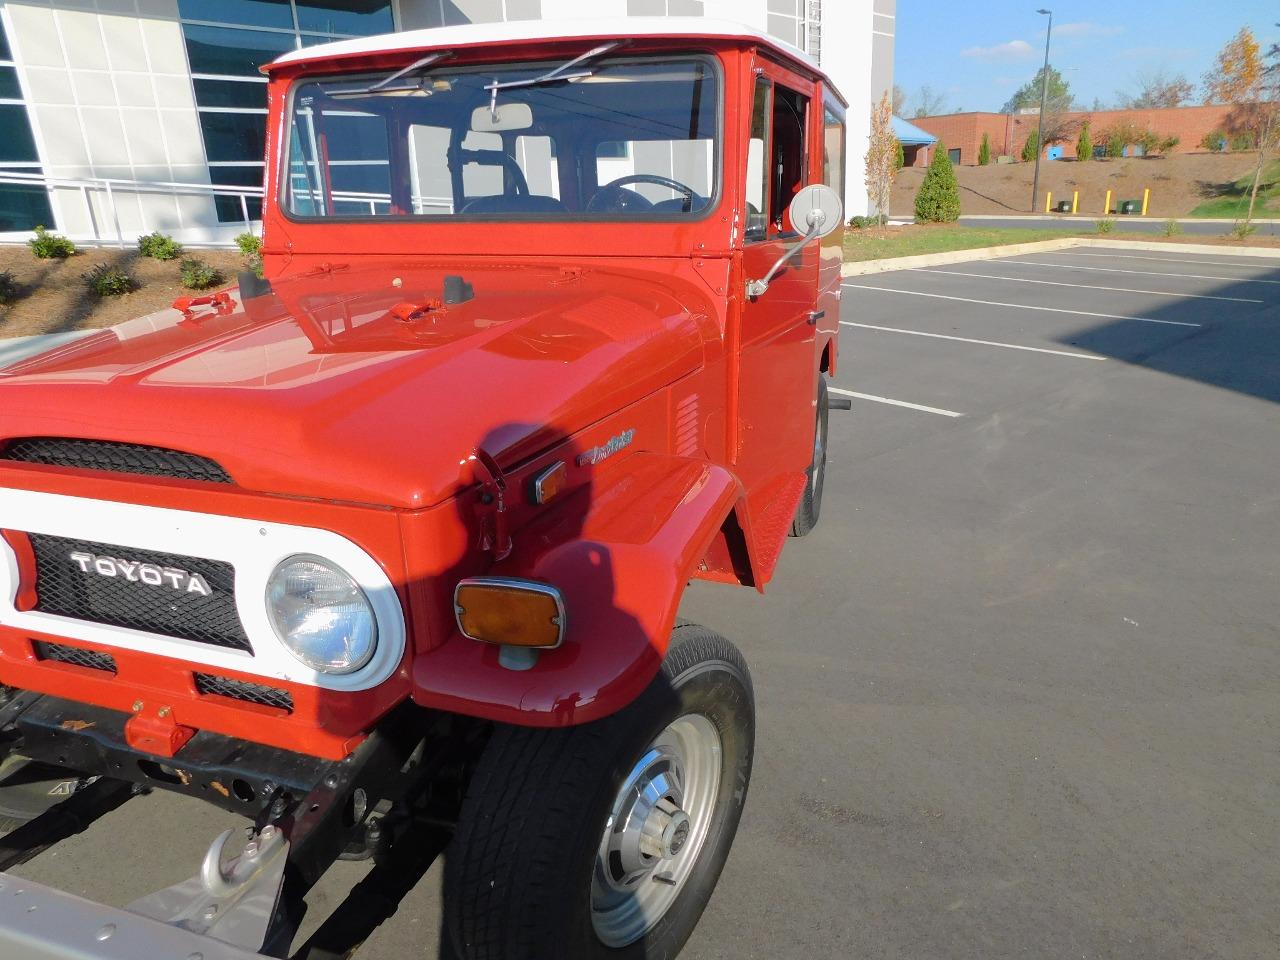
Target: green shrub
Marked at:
254, 265
857, 223
1031, 148
8, 287
110, 281
47, 246
1243, 229
938, 200
984, 151
249, 244
1084, 145
1172, 228
1115, 145
899, 157
1215, 141
1106, 225
159, 247
198, 275
1243, 141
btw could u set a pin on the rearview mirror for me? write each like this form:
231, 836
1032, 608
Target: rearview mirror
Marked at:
816, 206
815, 209
500, 117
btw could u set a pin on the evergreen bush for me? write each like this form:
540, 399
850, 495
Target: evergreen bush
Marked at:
984, 151
159, 247
8, 287
1084, 146
938, 200
249, 244
1031, 147
47, 246
110, 281
198, 275
899, 157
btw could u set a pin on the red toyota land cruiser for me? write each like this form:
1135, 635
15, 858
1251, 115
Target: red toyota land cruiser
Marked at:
384, 551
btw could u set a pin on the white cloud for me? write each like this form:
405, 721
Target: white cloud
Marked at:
1013, 50
1085, 29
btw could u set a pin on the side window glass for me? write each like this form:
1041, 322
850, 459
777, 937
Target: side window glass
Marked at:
788, 159
757, 167
833, 151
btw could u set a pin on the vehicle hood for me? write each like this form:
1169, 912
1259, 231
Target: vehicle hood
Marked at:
319, 389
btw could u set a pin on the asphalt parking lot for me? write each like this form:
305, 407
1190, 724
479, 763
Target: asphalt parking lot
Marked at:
1019, 694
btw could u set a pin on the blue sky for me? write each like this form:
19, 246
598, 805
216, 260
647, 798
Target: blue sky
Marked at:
977, 54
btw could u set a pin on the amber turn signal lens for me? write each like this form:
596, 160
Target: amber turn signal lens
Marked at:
515, 613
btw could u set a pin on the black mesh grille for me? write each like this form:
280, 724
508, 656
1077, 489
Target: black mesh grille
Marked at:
64, 588
93, 659
243, 690
115, 457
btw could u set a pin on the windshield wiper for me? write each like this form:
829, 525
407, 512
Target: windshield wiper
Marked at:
385, 85
554, 75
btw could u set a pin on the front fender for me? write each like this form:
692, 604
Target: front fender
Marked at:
621, 555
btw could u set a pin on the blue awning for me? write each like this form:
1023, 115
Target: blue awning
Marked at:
909, 135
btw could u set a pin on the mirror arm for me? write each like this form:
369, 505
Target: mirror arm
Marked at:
758, 288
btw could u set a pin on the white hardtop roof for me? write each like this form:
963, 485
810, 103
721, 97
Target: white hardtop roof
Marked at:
483, 34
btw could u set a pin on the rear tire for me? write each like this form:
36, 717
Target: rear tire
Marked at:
810, 507
549, 860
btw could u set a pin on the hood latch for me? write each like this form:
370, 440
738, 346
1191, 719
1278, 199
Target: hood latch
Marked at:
494, 533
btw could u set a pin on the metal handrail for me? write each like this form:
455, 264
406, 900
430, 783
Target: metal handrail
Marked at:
109, 187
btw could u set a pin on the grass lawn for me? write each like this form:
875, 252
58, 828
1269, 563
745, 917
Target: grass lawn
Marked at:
1233, 202
910, 241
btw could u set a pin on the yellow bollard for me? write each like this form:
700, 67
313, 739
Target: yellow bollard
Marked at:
1075, 202
1146, 199
1106, 207
1048, 202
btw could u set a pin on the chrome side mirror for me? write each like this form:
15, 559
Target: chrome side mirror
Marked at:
819, 210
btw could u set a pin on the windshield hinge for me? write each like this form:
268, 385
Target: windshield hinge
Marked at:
494, 534
326, 268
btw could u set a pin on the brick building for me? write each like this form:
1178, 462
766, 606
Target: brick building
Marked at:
961, 133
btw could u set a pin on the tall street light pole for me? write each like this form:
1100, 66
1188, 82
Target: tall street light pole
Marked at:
1044, 103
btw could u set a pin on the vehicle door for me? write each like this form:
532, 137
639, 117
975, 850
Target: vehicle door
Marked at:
778, 364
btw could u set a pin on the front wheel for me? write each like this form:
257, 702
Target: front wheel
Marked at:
606, 840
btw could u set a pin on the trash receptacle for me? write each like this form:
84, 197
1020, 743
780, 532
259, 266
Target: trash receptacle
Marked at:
1128, 207
1064, 206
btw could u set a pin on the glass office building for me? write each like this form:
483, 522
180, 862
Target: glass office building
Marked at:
145, 94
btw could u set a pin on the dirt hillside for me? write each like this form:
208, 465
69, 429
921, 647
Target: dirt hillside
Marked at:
1178, 183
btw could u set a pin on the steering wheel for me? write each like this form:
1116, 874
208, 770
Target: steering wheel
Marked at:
614, 197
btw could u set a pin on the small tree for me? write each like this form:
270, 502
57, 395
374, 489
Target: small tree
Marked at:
882, 150
984, 151
1242, 79
1031, 147
1084, 146
899, 156
939, 198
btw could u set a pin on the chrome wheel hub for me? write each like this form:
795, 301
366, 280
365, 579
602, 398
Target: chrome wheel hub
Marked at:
659, 821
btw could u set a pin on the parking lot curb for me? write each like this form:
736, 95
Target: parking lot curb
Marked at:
867, 267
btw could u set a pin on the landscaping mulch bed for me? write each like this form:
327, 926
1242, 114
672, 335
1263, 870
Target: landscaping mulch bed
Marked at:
52, 295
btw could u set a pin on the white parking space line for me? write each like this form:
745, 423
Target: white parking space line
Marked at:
1196, 262
1019, 306
1084, 286
985, 343
1145, 273
895, 403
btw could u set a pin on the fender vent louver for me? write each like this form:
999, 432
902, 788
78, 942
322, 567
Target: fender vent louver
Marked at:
114, 457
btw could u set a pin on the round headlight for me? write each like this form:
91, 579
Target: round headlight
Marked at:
321, 615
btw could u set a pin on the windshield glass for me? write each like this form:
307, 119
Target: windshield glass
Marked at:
613, 140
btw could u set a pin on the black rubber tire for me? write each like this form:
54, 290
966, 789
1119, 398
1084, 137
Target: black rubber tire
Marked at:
810, 507
28, 789
517, 883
